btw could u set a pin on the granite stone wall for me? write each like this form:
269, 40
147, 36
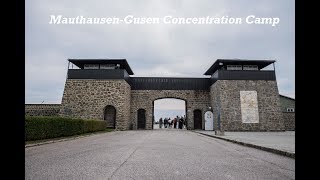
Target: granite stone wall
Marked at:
42, 109
87, 98
143, 99
215, 94
289, 121
225, 94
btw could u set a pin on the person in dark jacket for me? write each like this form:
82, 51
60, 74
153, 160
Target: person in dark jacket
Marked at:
165, 122
160, 123
175, 122
180, 123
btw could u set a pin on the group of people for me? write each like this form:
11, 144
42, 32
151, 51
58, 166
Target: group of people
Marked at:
176, 123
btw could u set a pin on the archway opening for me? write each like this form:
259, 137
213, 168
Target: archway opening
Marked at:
169, 113
110, 116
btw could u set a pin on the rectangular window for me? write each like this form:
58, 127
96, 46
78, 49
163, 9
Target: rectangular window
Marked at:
250, 67
107, 66
91, 66
234, 67
249, 107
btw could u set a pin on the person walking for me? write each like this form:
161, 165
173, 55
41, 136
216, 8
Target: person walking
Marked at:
184, 123
177, 122
160, 123
165, 122
180, 123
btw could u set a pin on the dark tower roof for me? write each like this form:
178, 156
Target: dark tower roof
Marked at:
261, 64
123, 63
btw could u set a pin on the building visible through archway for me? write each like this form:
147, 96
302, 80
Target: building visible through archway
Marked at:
169, 108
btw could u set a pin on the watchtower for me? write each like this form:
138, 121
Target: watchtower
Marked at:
98, 89
244, 95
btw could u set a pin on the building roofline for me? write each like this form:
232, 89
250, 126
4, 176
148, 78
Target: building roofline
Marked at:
287, 97
261, 63
123, 63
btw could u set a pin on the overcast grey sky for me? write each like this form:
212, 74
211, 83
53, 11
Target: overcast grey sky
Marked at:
169, 108
157, 49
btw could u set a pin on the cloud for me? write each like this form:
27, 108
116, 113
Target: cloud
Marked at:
153, 50
169, 104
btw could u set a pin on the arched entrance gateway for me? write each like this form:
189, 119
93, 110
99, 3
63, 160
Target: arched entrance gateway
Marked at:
110, 116
145, 99
172, 109
239, 91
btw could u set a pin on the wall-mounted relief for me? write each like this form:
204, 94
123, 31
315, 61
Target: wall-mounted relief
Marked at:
249, 107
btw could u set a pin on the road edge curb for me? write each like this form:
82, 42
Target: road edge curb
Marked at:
60, 140
276, 151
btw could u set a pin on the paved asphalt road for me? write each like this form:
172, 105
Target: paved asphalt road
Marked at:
153, 154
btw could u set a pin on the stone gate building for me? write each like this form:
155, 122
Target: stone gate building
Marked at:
242, 95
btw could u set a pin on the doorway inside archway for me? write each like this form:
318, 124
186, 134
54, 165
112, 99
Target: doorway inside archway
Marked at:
197, 119
141, 119
169, 113
110, 116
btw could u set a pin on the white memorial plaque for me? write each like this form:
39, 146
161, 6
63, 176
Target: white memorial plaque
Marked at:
208, 118
249, 107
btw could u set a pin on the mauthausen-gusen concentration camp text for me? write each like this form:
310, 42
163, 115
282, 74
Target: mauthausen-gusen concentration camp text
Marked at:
130, 19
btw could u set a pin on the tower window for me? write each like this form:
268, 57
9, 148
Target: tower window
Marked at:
250, 67
234, 67
107, 66
91, 66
